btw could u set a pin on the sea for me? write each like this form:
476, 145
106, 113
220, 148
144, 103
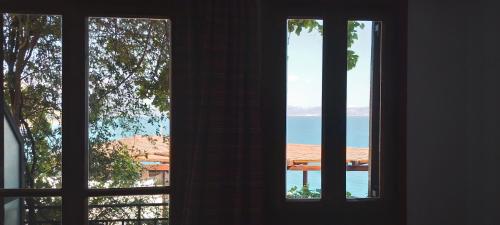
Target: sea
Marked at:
302, 130
307, 130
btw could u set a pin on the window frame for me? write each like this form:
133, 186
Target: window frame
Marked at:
75, 191
389, 207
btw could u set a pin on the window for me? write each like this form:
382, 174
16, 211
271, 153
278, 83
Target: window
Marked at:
333, 87
304, 109
32, 210
362, 116
129, 109
303, 120
129, 102
32, 115
114, 167
97, 87
32, 91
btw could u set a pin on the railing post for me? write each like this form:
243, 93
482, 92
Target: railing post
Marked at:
304, 178
139, 214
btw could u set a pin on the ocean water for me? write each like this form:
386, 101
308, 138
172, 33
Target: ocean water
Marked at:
300, 130
147, 127
307, 130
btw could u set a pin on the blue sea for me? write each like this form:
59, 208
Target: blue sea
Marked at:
301, 130
307, 130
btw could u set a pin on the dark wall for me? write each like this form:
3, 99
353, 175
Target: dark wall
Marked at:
453, 113
483, 70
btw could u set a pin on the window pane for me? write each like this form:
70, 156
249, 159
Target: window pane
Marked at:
147, 209
303, 119
360, 108
32, 210
32, 46
129, 102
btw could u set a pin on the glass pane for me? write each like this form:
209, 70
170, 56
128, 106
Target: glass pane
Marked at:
147, 209
303, 119
32, 210
32, 46
359, 107
129, 102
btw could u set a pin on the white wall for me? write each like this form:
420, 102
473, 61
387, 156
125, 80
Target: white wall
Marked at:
453, 112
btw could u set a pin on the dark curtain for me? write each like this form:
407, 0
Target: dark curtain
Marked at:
224, 179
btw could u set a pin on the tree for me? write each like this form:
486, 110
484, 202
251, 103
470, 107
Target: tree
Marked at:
128, 81
32, 90
297, 26
32, 83
129, 67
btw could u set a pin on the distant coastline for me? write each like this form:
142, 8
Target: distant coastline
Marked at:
316, 111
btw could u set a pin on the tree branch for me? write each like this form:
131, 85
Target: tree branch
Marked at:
135, 68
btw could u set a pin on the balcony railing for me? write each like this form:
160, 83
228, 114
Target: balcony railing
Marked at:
128, 209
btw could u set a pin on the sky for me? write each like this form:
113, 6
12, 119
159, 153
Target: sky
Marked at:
304, 70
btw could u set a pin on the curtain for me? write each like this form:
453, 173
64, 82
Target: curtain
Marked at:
224, 179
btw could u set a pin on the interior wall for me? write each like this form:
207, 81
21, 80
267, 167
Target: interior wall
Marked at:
483, 78
453, 112
436, 139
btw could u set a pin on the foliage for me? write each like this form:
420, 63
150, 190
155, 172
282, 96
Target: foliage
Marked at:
129, 67
123, 170
297, 26
128, 87
108, 208
104, 208
306, 193
48, 208
303, 193
32, 92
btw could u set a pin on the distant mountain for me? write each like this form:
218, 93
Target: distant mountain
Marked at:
301, 111
358, 111
316, 111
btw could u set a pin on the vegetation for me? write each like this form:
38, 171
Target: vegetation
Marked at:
128, 208
297, 26
129, 67
306, 193
303, 193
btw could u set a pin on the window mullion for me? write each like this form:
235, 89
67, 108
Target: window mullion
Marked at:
2, 112
334, 111
74, 160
